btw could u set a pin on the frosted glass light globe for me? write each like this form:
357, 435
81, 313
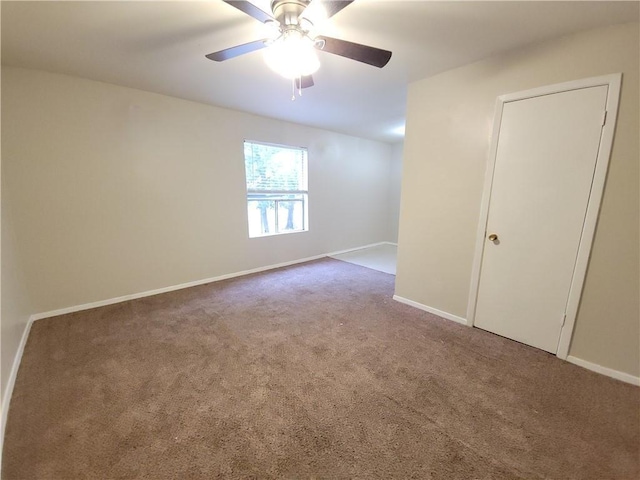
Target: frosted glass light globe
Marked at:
292, 56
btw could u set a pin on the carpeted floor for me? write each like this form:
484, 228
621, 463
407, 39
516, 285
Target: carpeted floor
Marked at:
307, 371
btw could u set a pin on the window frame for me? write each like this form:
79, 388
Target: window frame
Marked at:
279, 194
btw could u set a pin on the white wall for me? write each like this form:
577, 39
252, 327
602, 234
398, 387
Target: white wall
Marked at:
449, 124
116, 191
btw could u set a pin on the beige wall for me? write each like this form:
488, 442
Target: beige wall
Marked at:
395, 182
16, 305
116, 191
449, 125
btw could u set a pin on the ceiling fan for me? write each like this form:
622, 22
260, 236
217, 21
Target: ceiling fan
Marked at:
291, 46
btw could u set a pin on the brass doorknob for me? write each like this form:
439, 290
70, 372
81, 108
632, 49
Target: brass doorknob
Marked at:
493, 237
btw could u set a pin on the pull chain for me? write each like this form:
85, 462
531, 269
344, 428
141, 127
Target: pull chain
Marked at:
293, 88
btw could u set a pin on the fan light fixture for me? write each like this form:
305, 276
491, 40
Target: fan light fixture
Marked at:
292, 55
291, 39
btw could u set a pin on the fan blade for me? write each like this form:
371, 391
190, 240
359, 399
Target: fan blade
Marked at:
355, 51
251, 10
334, 6
238, 50
307, 81
329, 7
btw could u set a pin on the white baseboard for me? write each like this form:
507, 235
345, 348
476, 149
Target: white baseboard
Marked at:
133, 296
340, 252
157, 291
609, 372
435, 311
8, 391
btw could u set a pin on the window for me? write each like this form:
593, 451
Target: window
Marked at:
276, 188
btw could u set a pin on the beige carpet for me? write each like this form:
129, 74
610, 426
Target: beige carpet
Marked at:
311, 371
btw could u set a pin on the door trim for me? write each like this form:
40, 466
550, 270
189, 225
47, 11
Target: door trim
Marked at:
613, 82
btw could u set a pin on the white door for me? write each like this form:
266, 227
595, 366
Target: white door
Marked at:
545, 161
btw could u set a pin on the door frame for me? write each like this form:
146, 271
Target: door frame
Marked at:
613, 82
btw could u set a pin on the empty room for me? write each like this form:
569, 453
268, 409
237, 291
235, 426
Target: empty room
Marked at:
320, 239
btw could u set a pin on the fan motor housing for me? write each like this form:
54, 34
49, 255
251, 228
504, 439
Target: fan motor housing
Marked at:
288, 11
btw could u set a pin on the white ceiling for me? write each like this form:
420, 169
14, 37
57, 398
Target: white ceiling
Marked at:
160, 46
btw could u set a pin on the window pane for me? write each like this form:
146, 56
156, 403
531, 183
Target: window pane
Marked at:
262, 217
290, 216
270, 167
276, 189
